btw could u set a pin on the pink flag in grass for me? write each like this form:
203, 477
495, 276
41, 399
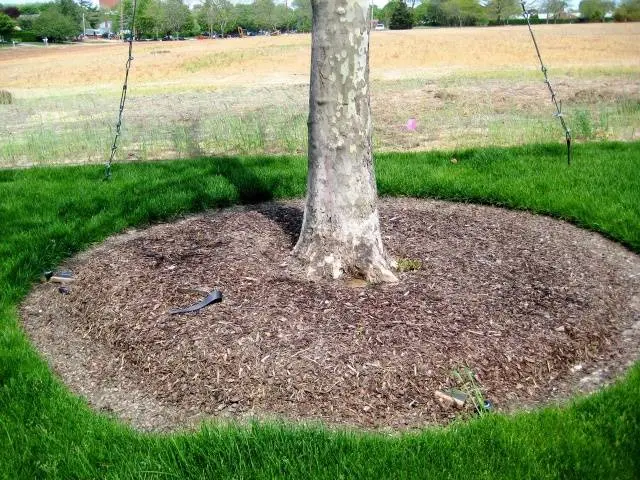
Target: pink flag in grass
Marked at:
412, 124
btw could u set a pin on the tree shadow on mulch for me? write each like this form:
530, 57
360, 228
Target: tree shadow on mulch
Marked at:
253, 189
287, 217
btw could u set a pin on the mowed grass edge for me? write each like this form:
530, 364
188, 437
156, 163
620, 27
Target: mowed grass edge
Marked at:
47, 214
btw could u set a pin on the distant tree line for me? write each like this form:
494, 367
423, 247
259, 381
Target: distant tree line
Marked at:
440, 13
57, 21
159, 18
63, 19
162, 18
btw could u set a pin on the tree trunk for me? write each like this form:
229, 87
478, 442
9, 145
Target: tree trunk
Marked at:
340, 230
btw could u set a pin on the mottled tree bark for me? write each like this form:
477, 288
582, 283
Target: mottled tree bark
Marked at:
341, 231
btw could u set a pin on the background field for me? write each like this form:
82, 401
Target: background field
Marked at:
466, 87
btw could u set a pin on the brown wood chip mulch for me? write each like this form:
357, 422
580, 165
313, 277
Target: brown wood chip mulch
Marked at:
537, 309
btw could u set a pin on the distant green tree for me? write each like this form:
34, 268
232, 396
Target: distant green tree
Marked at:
463, 12
150, 19
126, 9
177, 16
285, 18
554, 8
458, 12
385, 13
216, 15
269, 16
33, 8
500, 10
226, 15
421, 14
628, 11
207, 16
55, 26
7, 26
70, 9
264, 13
436, 13
302, 12
401, 17
25, 22
595, 10
245, 17
91, 13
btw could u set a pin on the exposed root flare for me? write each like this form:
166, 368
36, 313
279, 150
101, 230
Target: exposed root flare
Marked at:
369, 265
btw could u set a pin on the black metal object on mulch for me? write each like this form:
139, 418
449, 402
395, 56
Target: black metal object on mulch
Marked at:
214, 297
61, 276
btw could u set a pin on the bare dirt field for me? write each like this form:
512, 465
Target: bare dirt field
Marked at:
466, 87
258, 61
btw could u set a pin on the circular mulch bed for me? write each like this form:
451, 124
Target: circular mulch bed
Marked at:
537, 309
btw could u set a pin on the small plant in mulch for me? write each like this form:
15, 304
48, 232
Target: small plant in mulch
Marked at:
409, 265
469, 385
5, 97
467, 395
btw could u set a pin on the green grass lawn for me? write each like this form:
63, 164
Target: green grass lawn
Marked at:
47, 214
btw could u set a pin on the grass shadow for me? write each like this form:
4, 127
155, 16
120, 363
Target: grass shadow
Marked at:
253, 177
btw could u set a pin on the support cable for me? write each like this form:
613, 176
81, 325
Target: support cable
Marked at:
554, 98
123, 96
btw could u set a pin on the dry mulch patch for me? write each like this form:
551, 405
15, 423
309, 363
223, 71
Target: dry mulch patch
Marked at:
537, 309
